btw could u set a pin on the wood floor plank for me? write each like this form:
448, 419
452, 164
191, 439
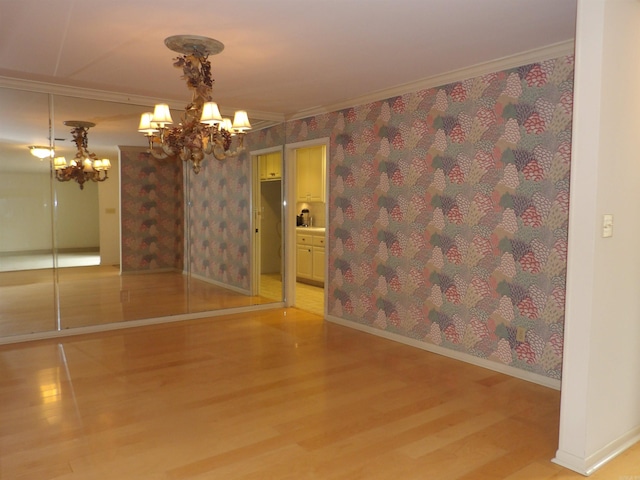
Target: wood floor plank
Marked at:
276, 394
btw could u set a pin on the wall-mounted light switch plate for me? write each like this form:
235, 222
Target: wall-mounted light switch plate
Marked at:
607, 225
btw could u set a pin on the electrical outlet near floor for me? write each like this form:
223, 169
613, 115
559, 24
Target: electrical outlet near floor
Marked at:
124, 296
521, 334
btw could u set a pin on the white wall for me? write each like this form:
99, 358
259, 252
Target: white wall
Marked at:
76, 215
25, 212
600, 416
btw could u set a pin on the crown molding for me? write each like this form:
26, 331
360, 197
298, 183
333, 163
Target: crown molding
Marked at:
270, 118
116, 97
524, 58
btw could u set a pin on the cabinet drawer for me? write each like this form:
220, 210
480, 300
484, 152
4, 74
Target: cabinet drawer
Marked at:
302, 239
318, 240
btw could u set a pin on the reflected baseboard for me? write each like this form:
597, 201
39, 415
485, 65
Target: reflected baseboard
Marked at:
69, 332
43, 259
99, 295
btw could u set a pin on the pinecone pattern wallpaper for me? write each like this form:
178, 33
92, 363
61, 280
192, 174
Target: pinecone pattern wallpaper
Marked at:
219, 221
448, 213
152, 214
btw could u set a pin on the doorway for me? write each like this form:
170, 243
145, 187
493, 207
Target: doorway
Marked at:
306, 225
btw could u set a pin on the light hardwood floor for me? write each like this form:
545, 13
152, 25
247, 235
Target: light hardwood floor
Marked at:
96, 295
276, 394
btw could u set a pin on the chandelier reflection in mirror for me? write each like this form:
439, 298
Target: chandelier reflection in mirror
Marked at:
85, 166
41, 152
202, 130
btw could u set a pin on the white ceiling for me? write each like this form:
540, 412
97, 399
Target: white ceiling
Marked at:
281, 57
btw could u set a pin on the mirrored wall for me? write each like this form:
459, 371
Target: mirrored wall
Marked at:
154, 240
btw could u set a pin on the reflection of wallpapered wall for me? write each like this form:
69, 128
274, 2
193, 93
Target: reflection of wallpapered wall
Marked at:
220, 214
266, 138
152, 211
449, 211
219, 221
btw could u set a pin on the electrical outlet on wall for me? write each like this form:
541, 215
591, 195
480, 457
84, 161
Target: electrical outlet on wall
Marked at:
521, 334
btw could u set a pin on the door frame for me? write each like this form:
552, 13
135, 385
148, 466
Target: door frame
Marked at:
289, 174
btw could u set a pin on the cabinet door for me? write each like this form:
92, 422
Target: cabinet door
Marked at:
274, 170
270, 166
318, 264
302, 172
304, 261
310, 174
262, 166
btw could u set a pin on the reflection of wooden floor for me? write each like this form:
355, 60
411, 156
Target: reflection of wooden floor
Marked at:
99, 295
274, 394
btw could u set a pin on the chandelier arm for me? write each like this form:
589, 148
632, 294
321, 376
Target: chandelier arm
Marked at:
159, 154
228, 153
97, 177
209, 146
151, 139
168, 151
218, 152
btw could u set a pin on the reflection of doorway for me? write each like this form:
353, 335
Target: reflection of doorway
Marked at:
267, 263
74, 238
270, 232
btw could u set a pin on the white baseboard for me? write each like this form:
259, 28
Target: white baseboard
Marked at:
144, 272
106, 327
464, 357
193, 275
587, 466
220, 284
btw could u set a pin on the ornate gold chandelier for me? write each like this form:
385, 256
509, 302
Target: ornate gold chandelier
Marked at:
202, 130
85, 166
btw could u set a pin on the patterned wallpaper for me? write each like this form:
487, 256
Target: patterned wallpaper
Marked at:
447, 219
152, 213
219, 221
449, 212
